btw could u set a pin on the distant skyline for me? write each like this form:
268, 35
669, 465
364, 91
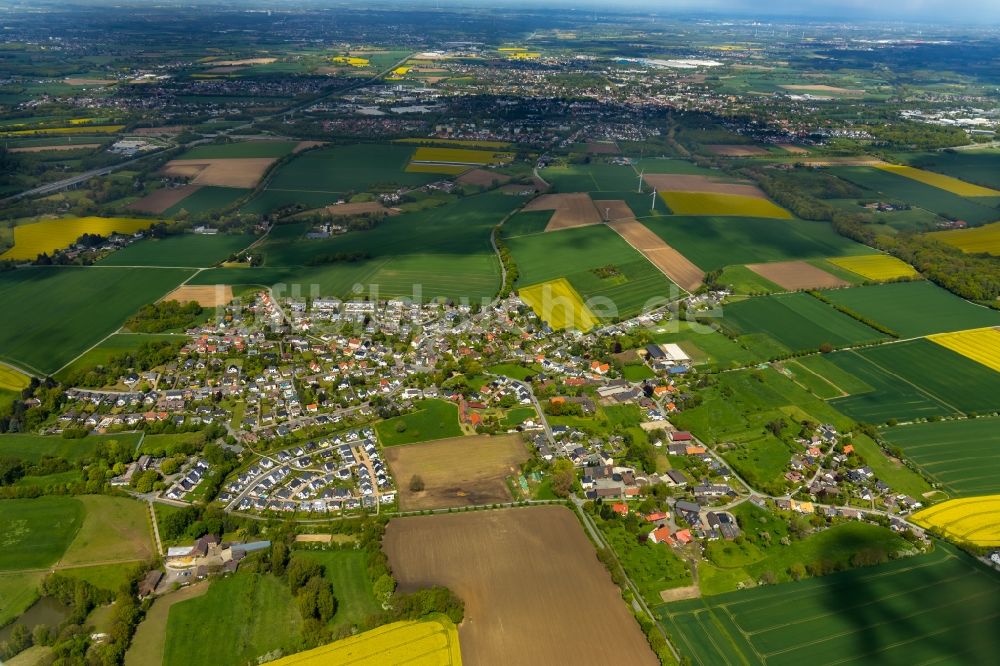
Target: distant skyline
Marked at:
981, 12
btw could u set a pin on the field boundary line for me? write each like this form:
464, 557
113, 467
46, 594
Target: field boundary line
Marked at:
843, 394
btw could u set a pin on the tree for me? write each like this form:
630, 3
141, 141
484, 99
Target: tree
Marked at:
384, 588
797, 571
563, 477
416, 483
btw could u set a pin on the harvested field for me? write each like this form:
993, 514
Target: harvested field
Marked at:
456, 472
305, 145
482, 177
45, 149
571, 210
792, 148
669, 261
209, 296
676, 182
603, 148
235, 172
162, 199
736, 150
795, 275
826, 89
529, 578
89, 82
614, 209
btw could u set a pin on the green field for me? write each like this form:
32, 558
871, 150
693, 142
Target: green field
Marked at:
963, 456
591, 178
916, 379
977, 210
575, 253
434, 419
445, 252
118, 343
239, 619
980, 167
347, 571
527, 223
31, 448
206, 199
183, 250
81, 306
18, 591
243, 149
35, 533
935, 608
339, 170
914, 309
798, 321
714, 242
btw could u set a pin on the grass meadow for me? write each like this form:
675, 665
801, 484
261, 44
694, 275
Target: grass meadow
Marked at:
206, 199
434, 419
240, 618
34, 533
347, 571
31, 448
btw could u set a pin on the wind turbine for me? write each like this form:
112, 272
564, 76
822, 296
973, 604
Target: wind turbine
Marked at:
652, 207
640, 180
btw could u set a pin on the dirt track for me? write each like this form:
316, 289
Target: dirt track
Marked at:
571, 210
793, 275
671, 263
534, 590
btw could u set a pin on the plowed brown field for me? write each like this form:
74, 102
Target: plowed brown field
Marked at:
534, 590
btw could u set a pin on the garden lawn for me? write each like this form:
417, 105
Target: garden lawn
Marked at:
434, 419
914, 309
76, 308
652, 567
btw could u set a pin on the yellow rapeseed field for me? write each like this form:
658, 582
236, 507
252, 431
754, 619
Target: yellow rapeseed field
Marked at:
78, 129
12, 380
875, 266
973, 520
558, 304
940, 181
419, 643
982, 345
984, 239
459, 156
712, 203
352, 61
30, 240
